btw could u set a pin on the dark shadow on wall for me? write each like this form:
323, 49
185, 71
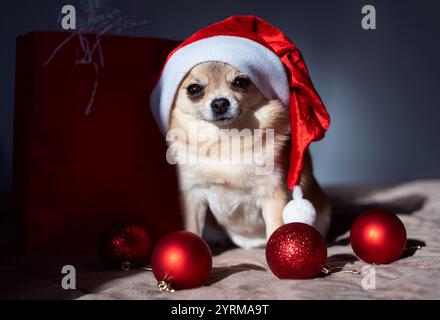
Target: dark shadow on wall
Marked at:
345, 210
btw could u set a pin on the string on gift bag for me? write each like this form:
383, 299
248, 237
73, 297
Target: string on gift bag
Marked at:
96, 17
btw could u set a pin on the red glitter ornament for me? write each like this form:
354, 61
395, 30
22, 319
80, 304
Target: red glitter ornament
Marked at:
124, 246
296, 251
378, 236
181, 260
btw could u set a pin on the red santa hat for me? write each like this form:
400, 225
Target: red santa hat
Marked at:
275, 66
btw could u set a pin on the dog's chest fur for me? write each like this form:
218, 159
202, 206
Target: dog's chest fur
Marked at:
233, 193
238, 211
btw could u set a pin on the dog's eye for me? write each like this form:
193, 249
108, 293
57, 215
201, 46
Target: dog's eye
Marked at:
240, 83
194, 90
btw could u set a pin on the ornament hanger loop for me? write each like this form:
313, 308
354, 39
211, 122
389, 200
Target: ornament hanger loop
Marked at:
126, 266
334, 270
165, 286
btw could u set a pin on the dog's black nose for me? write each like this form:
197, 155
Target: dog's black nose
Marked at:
220, 106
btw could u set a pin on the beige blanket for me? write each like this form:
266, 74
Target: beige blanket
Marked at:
243, 274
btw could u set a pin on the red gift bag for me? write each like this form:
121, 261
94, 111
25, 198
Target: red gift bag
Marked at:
76, 173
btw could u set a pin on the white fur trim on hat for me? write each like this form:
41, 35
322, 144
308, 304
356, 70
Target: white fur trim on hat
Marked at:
299, 209
262, 65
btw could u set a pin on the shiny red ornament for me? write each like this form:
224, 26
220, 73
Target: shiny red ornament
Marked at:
182, 259
296, 251
378, 236
124, 246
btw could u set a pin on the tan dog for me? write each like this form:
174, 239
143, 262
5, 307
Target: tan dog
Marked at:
213, 97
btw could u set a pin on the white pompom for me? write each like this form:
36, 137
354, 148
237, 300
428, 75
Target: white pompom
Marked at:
299, 209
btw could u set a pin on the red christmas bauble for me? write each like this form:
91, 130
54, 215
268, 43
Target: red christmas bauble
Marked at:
296, 251
378, 236
124, 246
182, 259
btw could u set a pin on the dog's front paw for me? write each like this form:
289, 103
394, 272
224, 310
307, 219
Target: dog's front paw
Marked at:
299, 209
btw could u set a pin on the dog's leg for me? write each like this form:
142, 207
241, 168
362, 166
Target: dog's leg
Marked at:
314, 193
194, 214
272, 210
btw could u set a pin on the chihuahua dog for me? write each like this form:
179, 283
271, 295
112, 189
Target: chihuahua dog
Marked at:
213, 100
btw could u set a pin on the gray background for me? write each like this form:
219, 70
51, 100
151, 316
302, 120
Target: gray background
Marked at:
381, 87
